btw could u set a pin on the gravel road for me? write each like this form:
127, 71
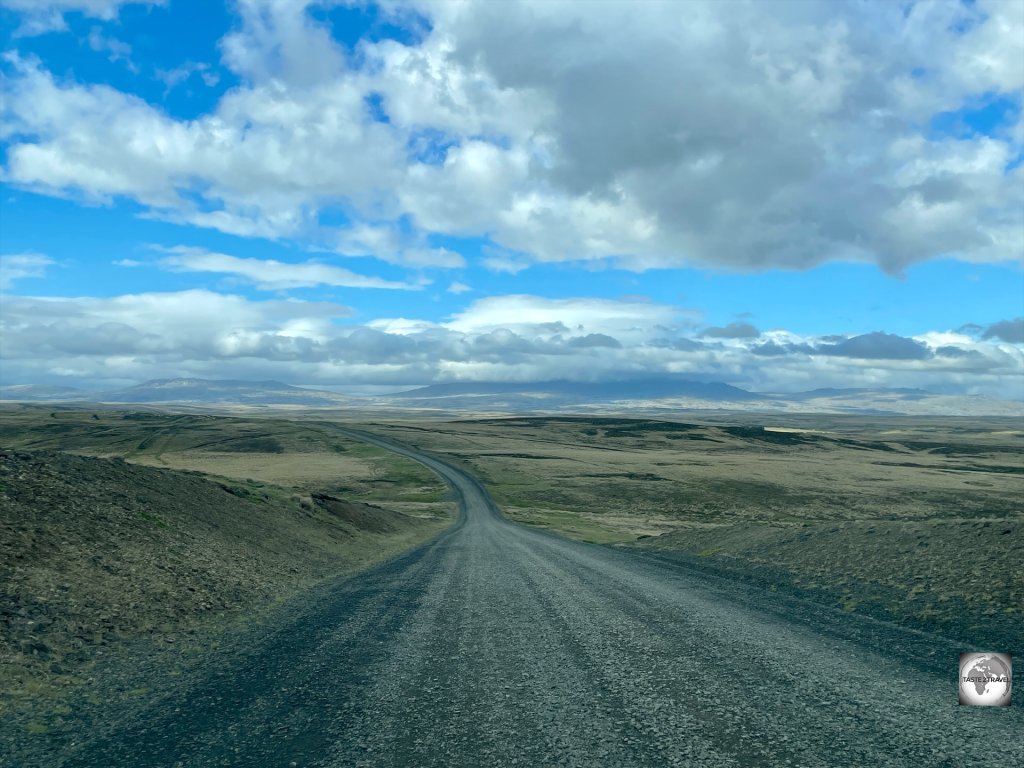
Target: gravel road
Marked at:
498, 645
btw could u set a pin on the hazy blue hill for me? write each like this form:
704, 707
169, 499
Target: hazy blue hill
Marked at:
640, 389
662, 394
37, 392
221, 391
860, 391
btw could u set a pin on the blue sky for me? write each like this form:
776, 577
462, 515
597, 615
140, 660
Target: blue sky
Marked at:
340, 194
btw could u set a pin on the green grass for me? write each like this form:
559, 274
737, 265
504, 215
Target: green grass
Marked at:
133, 434
176, 440
153, 519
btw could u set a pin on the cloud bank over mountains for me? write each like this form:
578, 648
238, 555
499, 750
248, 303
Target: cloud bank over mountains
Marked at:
737, 138
509, 338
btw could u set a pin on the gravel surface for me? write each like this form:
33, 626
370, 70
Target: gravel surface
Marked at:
498, 645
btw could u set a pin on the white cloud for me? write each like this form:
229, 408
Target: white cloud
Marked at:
39, 16
419, 87
501, 260
16, 266
148, 328
505, 338
262, 163
737, 135
269, 274
458, 288
542, 318
389, 244
991, 56
174, 77
278, 41
116, 50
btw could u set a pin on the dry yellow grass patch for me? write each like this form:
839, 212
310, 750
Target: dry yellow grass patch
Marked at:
296, 470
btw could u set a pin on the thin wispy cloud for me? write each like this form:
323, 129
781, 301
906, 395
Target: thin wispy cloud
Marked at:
269, 274
17, 266
41, 16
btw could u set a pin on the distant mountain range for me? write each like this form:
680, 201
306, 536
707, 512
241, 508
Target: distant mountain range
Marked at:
222, 391
909, 394
581, 391
667, 394
217, 391
36, 392
639, 395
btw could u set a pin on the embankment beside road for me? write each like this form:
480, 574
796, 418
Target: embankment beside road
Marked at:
957, 578
96, 554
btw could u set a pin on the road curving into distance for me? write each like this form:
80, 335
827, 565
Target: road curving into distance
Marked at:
499, 645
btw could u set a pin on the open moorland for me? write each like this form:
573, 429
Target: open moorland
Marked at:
142, 535
918, 520
121, 527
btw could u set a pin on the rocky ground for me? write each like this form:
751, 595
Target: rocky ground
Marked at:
98, 554
957, 578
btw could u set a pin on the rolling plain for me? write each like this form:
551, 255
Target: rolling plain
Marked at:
136, 534
913, 519
161, 563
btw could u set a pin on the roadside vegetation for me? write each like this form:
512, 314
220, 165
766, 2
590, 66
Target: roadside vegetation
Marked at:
918, 520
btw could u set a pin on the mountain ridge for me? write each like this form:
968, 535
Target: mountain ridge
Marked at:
614, 390
660, 395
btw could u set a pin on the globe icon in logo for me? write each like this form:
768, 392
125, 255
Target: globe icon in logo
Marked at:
986, 679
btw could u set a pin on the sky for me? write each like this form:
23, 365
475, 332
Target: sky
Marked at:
778, 195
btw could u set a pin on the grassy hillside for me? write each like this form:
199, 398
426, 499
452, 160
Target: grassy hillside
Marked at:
97, 551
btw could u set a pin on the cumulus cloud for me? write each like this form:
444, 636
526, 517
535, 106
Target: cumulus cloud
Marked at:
877, 346
743, 136
545, 317
1006, 330
868, 346
138, 336
773, 348
263, 164
592, 340
16, 266
733, 331
504, 338
958, 352
269, 274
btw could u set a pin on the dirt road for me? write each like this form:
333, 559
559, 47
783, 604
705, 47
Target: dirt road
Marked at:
498, 645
